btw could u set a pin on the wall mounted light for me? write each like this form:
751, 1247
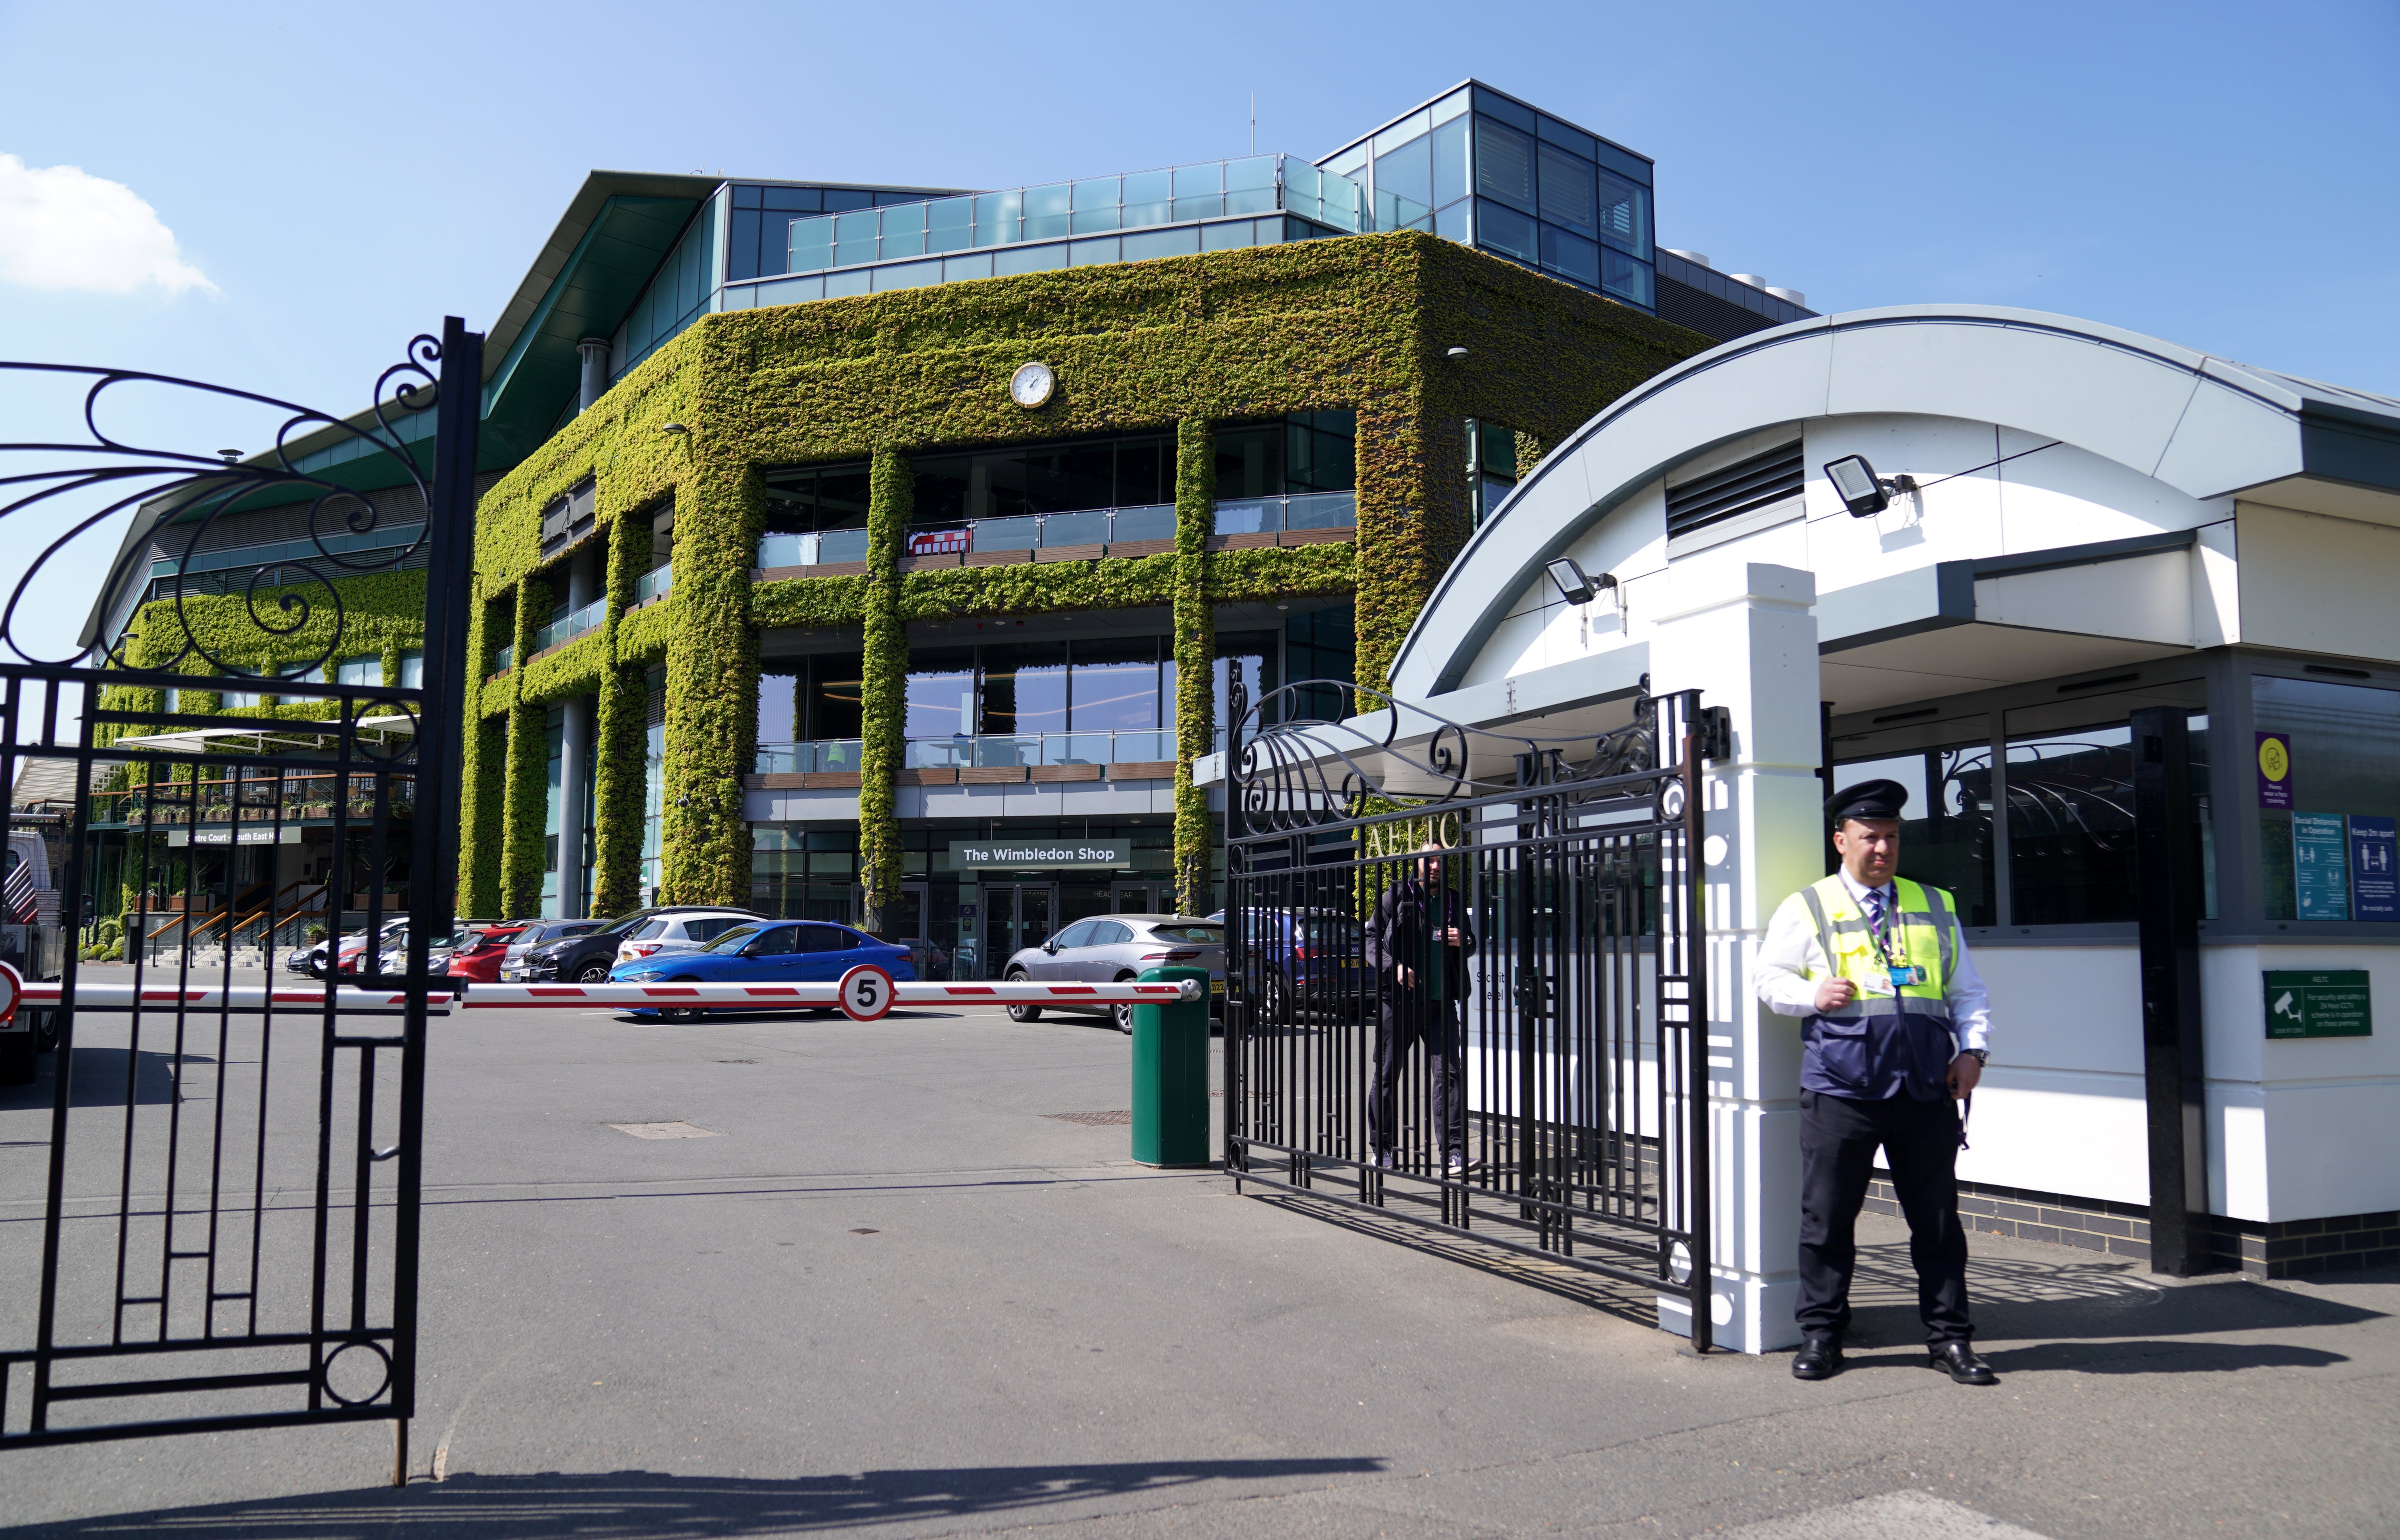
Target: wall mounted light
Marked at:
1862, 491
675, 427
1455, 353
1573, 585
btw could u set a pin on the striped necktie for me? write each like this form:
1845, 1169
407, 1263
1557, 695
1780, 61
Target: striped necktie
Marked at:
1874, 906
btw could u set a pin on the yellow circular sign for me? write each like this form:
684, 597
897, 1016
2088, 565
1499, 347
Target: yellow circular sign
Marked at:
2274, 760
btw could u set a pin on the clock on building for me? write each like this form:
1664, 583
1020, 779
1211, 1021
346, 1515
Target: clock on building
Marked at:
1032, 385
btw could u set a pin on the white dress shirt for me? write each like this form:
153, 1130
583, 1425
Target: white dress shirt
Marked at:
1790, 963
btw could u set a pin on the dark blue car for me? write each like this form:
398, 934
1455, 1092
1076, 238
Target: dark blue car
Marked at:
767, 951
1305, 960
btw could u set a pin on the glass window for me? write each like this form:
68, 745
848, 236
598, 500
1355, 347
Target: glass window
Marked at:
647, 930
720, 937
2071, 806
1505, 230
1504, 164
1181, 241
1025, 687
1569, 255
359, 671
1457, 223
941, 693
774, 941
1406, 169
1625, 277
1077, 935
1945, 833
2325, 824
1555, 132
833, 697
1320, 452
742, 256
815, 497
839, 199
411, 671
1249, 462
1567, 190
1449, 141
1322, 645
1031, 259
779, 707
1624, 214
824, 938
1501, 107
1115, 685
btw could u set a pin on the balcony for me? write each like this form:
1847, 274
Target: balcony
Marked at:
1069, 755
1089, 532
567, 627
653, 584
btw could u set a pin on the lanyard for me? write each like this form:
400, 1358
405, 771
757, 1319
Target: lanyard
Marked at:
1879, 933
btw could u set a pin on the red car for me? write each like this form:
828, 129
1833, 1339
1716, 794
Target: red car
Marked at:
480, 959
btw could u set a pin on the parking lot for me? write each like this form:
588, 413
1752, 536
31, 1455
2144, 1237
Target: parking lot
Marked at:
902, 1277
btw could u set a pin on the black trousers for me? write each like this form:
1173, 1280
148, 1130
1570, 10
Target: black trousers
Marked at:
1410, 1016
1838, 1138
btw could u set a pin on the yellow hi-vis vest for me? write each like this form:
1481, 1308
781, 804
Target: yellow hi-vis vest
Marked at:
1890, 1039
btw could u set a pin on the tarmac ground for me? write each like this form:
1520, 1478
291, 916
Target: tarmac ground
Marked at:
885, 1287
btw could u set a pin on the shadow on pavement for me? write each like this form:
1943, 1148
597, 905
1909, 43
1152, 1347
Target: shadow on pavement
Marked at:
100, 1075
632, 1503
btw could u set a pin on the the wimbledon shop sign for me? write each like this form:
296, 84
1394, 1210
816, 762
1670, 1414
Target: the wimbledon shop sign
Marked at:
1021, 855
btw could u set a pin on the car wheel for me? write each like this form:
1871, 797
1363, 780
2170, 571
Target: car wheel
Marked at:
1021, 1010
593, 973
1123, 1014
1273, 1000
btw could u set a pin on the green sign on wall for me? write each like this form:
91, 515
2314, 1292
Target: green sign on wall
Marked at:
2328, 1004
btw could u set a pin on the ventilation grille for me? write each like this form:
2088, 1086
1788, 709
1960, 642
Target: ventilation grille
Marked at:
1706, 314
1757, 482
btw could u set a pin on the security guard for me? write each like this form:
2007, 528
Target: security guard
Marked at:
1894, 1029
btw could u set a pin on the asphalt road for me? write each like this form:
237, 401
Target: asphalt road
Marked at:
890, 1289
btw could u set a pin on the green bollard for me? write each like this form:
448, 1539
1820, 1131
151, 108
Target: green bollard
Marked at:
1170, 1075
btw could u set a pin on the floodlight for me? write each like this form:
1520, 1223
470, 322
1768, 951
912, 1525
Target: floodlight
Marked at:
1573, 585
1862, 491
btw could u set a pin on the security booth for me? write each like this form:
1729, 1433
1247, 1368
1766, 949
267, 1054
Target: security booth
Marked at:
2119, 615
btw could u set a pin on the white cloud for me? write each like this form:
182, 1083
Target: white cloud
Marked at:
61, 227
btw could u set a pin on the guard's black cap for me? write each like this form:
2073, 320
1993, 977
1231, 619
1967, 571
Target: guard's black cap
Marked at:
1867, 799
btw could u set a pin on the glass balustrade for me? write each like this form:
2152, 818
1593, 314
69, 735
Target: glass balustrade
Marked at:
1096, 206
653, 584
570, 626
504, 658
1102, 527
978, 752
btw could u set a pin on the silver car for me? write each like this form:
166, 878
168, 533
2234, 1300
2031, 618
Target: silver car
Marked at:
683, 931
1112, 947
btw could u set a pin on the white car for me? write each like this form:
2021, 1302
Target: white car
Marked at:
686, 931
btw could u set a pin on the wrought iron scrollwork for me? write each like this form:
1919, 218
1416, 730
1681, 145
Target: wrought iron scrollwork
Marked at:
1291, 770
280, 595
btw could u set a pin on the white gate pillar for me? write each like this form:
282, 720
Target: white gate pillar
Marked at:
1745, 635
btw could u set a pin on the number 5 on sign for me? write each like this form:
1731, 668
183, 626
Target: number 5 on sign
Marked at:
866, 992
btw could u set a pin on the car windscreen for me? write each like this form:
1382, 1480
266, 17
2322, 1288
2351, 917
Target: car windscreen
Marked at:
731, 941
1207, 936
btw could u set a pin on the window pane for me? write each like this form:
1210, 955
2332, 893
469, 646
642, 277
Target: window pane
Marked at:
742, 256
1567, 190
1570, 255
941, 693
411, 671
2070, 807
833, 699
2343, 745
1624, 214
1450, 162
1945, 833
1025, 687
1248, 462
1116, 686
1625, 277
1503, 229
1408, 170
1504, 164
779, 707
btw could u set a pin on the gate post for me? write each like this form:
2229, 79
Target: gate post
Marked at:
1745, 635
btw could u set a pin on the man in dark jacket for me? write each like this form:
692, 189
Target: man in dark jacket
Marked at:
1418, 944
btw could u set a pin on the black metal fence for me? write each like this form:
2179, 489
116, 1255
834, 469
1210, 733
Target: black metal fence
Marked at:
1466, 981
228, 1213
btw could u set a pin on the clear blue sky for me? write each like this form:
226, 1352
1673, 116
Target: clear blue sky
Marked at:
337, 178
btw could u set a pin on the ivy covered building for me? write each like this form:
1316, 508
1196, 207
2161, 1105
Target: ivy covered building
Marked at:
889, 553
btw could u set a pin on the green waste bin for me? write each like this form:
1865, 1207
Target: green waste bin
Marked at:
1170, 1074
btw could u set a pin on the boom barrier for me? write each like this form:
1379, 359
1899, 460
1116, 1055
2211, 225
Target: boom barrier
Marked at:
94, 996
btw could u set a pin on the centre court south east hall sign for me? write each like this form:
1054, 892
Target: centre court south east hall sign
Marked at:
2327, 1004
1042, 854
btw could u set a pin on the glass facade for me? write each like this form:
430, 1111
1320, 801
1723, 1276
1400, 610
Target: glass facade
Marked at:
1508, 179
2325, 824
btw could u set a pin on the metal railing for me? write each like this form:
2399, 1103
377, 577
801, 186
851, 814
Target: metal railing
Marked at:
1102, 527
654, 583
578, 623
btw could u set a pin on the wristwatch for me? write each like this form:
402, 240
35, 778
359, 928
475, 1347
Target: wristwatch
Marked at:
1983, 1055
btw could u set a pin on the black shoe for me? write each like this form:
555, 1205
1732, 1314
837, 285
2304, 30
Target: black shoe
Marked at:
1958, 1360
1819, 1358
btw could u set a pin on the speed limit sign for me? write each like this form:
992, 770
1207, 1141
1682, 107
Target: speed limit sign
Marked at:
866, 992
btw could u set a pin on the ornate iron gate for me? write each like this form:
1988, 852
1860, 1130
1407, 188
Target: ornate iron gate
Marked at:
227, 1220
1557, 1105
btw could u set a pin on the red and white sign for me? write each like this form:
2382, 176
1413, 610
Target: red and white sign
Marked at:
866, 993
14, 984
937, 543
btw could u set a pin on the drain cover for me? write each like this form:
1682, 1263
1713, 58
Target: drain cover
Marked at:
1092, 1119
665, 1130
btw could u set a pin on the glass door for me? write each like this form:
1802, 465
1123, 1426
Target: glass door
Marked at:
1016, 915
1142, 898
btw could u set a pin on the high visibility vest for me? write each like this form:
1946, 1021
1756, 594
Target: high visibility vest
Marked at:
1893, 1038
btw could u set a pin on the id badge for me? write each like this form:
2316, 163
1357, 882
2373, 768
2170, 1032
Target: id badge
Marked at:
1874, 985
1902, 977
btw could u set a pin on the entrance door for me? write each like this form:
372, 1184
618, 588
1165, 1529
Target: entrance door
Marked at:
1016, 915
1142, 898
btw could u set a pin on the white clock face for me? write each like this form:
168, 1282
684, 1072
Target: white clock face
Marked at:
1032, 385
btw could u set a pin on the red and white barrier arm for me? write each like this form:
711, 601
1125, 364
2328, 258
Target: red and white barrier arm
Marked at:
92, 995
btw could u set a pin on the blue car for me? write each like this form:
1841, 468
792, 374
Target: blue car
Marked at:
767, 951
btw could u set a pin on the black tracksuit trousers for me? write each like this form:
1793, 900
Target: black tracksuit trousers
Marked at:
1838, 1138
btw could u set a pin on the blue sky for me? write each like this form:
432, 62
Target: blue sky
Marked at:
324, 182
